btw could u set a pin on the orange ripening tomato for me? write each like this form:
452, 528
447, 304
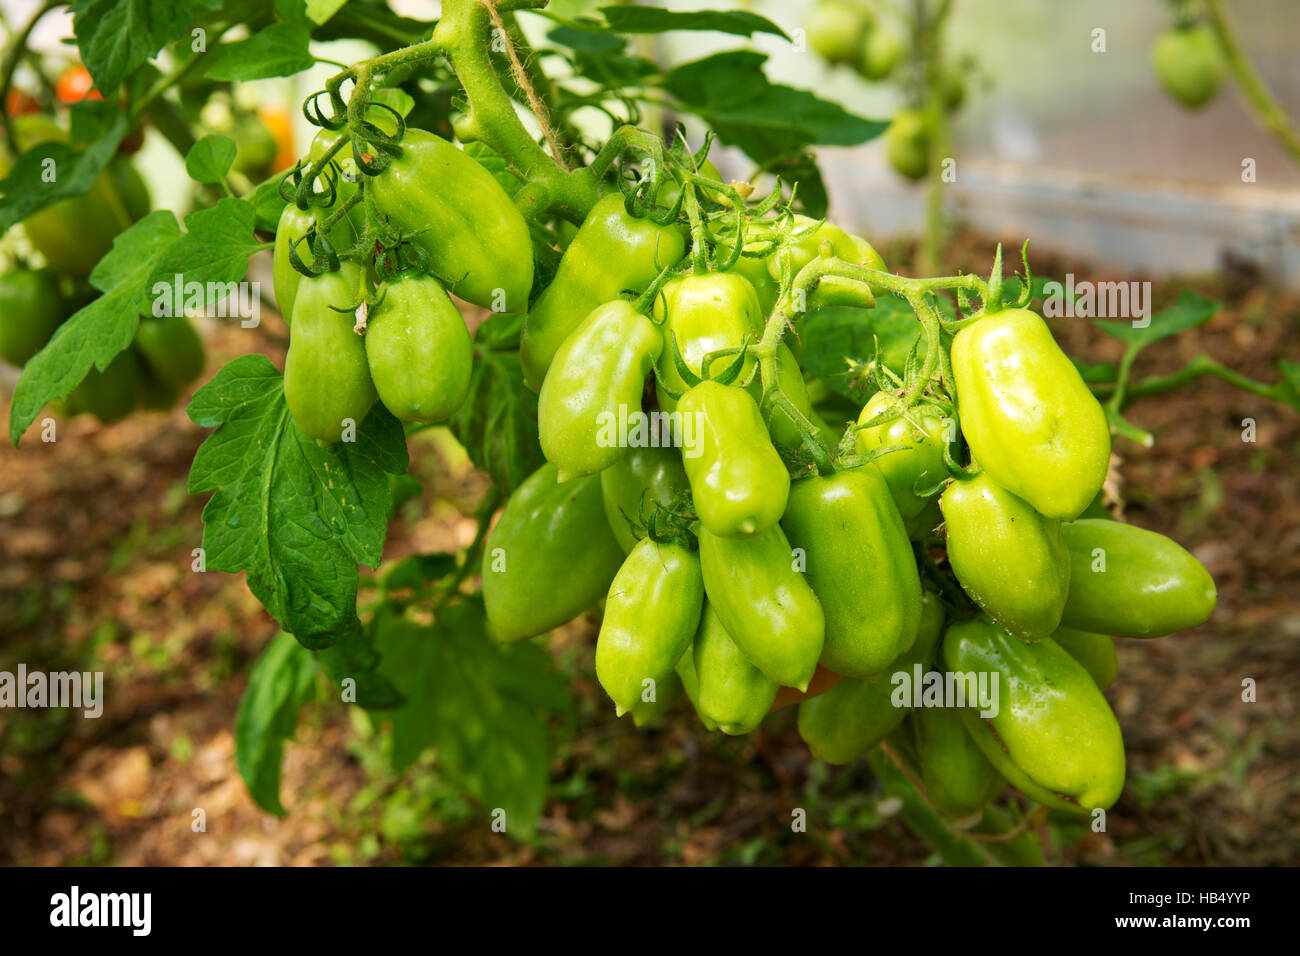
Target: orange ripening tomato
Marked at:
76, 84
822, 681
280, 123
19, 102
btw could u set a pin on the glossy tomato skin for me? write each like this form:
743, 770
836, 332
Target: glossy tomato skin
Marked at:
294, 224
31, 308
1096, 652
612, 252
733, 693
702, 314
550, 556
1189, 65
1127, 581
635, 483
920, 463
1028, 417
1011, 560
907, 144
959, 780
326, 376
860, 565
596, 381
853, 716
766, 606
738, 482
832, 290
651, 613
419, 351
477, 242
1053, 737
835, 29
172, 349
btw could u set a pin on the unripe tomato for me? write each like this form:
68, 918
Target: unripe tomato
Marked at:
30, 310
293, 225
651, 613
109, 395
733, 693
172, 349
635, 483
738, 482
958, 778
835, 29
1028, 417
920, 460
326, 375
704, 313
1189, 65
1130, 582
1096, 652
1011, 560
907, 144
550, 556
881, 51
1053, 736
832, 290
419, 351
596, 381
764, 603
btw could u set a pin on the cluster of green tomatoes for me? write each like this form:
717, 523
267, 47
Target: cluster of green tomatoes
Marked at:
945, 533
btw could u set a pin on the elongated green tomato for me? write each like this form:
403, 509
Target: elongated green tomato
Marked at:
1189, 65
651, 613
779, 424
738, 482
1053, 735
1130, 582
835, 29
1028, 417
326, 377
172, 349
766, 606
109, 395
832, 290
733, 693
756, 272
419, 351
1010, 560
691, 685
634, 484
612, 252
958, 778
476, 240
646, 713
919, 463
549, 558
907, 144
880, 53
860, 565
293, 225
30, 310
704, 313
347, 176
594, 384
853, 716
1096, 652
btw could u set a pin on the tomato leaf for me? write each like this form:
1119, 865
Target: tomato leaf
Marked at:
118, 36
95, 334
282, 680
1190, 310
297, 517
210, 158
483, 705
277, 50
498, 422
634, 19
835, 335
353, 666
51, 171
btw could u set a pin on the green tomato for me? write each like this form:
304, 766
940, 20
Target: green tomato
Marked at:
835, 28
646, 713
476, 240
1053, 736
1028, 417
1011, 560
739, 484
704, 313
152, 393
850, 718
733, 693
31, 308
634, 484
952, 85
1130, 582
1189, 65
907, 144
651, 614
255, 147
919, 463
958, 778
880, 53
691, 683
419, 351
766, 606
832, 290
110, 395
612, 252
596, 381
549, 558
172, 349
293, 225
326, 375
1096, 652
860, 565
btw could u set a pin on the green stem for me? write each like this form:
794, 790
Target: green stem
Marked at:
920, 818
1199, 366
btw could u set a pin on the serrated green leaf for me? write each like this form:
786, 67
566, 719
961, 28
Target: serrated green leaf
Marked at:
636, 19
215, 248
280, 49
116, 37
498, 422
51, 171
210, 158
353, 659
281, 681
